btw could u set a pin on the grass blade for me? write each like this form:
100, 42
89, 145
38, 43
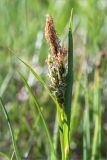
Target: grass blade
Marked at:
4, 156
97, 119
42, 82
40, 111
11, 131
5, 83
68, 93
36, 76
12, 156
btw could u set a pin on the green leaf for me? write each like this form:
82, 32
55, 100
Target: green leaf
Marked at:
11, 130
71, 22
4, 156
42, 82
40, 111
68, 92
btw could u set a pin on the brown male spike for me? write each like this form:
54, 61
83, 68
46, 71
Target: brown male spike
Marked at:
53, 40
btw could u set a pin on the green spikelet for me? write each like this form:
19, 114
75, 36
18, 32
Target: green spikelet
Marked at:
57, 74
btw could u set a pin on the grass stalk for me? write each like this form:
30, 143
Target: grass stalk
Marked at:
61, 131
55, 136
86, 126
97, 120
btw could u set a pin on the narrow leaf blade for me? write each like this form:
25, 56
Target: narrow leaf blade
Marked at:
68, 93
11, 130
41, 81
40, 111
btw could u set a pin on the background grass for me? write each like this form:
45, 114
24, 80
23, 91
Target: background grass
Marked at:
22, 30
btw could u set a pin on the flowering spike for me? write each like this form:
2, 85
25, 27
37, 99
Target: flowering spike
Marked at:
57, 70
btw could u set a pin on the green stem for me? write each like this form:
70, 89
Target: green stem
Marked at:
86, 126
62, 144
55, 136
61, 131
97, 118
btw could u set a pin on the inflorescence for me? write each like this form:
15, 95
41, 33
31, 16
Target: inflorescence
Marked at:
57, 68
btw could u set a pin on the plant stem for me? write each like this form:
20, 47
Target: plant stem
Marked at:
55, 136
61, 131
86, 126
97, 118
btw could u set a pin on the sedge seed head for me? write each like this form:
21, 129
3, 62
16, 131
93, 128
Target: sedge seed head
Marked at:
53, 40
57, 70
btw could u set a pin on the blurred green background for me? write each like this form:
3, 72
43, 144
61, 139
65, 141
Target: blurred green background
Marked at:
22, 25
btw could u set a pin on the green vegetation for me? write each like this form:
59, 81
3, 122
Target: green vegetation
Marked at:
35, 124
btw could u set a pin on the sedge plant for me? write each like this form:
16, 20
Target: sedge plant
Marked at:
60, 91
61, 75
61, 81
